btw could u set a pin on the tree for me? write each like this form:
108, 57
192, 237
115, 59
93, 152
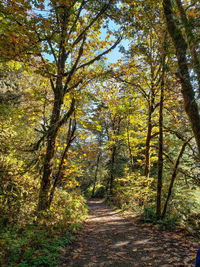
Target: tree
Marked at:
181, 46
160, 140
69, 33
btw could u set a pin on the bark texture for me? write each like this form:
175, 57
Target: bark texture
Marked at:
58, 175
191, 40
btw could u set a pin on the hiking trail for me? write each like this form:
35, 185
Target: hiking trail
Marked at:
110, 239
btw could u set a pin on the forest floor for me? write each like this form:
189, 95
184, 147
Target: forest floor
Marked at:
109, 238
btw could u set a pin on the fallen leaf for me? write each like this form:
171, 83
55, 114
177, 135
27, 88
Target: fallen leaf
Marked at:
155, 255
186, 245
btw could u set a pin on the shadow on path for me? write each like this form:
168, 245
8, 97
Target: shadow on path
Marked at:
108, 239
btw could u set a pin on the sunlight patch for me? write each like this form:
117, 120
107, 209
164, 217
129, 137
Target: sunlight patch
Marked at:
120, 244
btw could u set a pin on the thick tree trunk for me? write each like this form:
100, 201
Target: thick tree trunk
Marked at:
190, 40
70, 138
47, 167
173, 178
180, 44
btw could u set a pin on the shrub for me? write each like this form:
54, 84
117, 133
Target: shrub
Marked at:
168, 222
99, 192
132, 192
32, 246
39, 244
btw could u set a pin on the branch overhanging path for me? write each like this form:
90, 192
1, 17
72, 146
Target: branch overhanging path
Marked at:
109, 239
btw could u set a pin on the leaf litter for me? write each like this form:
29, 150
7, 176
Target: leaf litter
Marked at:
109, 239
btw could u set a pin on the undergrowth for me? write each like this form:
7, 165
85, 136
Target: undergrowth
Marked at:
38, 243
32, 245
99, 191
136, 195
169, 222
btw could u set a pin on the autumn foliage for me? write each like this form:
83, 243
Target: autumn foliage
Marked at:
98, 98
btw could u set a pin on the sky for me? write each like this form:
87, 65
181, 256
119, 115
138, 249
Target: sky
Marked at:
115, 54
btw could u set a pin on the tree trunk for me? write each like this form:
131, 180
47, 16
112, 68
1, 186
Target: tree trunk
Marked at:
70, 138
191, 41
160, 141
180, 44
160, 157
112, 169
151, 103
147, 145
129, 147
174, 177
47, 167
96, 172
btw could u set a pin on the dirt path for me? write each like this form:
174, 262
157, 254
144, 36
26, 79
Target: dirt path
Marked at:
108, 239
